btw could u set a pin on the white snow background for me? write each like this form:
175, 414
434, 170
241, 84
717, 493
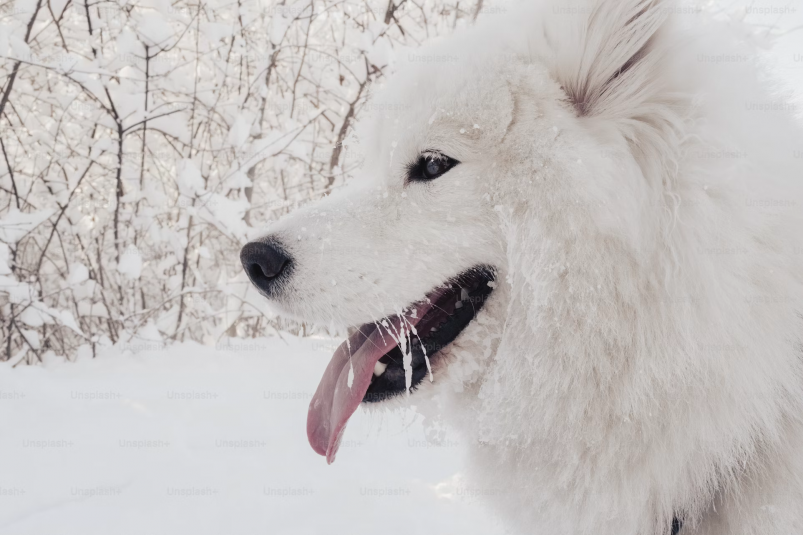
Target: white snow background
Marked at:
202, 440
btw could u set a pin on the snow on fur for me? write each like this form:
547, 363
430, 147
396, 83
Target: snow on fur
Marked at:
641, 358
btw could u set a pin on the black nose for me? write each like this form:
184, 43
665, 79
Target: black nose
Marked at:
264, 263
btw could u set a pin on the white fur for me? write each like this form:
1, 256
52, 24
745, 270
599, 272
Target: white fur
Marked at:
641, 358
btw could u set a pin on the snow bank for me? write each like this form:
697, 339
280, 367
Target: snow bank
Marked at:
203, 440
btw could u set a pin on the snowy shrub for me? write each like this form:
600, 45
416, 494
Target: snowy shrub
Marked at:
144, 142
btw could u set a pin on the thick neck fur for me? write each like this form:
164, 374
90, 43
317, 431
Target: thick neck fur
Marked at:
652, 306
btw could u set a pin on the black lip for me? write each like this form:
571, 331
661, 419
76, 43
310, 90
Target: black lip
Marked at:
471, 289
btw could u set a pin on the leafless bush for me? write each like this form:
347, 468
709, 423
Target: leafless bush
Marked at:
143, 145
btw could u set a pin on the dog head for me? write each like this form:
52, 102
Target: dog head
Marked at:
491, 161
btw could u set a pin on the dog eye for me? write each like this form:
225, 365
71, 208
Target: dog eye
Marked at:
430, 166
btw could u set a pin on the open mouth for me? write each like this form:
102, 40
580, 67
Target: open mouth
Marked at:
394, 355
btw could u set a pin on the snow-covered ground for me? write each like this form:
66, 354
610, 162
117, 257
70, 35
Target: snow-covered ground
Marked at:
201, 440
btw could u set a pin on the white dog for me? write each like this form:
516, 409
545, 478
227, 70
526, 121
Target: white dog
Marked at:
582, 241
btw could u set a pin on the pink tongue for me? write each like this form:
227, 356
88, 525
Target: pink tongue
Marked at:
334, 402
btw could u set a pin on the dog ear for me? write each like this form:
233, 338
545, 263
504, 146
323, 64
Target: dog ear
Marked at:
611, 59
603, 52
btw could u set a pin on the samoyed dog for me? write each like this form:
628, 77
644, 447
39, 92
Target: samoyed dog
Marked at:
581, 242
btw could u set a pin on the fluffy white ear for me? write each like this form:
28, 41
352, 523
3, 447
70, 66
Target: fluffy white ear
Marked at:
611, 59
603, 52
